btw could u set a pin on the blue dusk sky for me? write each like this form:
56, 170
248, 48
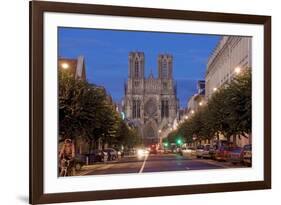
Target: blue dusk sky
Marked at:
106, 56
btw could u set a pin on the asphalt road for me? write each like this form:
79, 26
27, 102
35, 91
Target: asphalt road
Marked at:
153, 163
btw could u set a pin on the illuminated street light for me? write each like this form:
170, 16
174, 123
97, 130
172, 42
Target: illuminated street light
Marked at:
215, 89
192, 111
64, 65
200, 103
237, 70
186, 117
159, 131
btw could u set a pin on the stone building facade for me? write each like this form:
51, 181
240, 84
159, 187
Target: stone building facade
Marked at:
151, 103
231, 55
197, 100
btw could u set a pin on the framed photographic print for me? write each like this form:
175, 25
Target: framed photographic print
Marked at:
138, 102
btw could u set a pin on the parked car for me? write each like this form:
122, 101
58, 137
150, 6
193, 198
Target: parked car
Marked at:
160, 151
212, 151
206, 151
153, 150
222, 153
111, 154
235, 155
173, 148
120, 152
247, 155
199, 151
96, 156
183, 150
188, 151
167, 151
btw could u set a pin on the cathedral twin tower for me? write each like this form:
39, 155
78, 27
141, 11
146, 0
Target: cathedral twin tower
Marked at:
151, 103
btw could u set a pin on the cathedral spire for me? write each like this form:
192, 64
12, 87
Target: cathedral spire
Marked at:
165, 66
136, 65
151, 74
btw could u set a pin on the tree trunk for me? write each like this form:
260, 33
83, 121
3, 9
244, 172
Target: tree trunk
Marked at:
234, 140
90, 146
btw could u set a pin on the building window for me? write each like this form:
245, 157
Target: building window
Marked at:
136, 108
167, 109
165, 86
164, 108
165, 69
137, 69
137, 83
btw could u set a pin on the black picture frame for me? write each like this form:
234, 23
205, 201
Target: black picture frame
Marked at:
37, 9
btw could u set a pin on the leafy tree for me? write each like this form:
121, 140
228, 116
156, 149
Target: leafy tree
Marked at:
72, 93
127, 136
86, 111
239, 99
228, 112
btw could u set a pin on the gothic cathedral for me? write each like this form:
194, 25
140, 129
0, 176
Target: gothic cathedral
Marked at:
151, 103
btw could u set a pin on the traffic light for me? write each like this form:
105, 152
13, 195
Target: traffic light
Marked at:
123, 116
179, 141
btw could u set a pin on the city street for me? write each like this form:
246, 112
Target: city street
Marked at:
153, 163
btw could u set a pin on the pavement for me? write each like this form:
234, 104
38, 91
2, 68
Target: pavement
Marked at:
153, 163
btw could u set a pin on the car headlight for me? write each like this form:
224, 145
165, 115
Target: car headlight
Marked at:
140, 152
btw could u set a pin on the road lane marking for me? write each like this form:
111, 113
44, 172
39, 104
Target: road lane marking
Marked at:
143, 164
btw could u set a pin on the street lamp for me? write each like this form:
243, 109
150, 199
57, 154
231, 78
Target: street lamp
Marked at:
186, 117
192, 111
215, 89
65, 65
159, 131
237, 70
200, 103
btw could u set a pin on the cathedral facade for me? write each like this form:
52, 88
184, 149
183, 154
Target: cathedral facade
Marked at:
151, 103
